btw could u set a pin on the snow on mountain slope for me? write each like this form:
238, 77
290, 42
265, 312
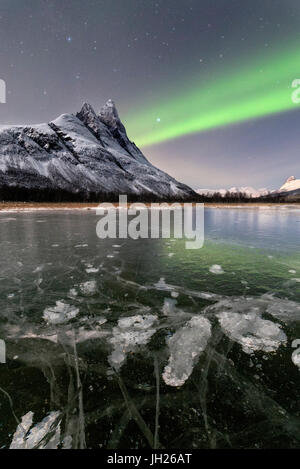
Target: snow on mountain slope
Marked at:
291, 184
86, 153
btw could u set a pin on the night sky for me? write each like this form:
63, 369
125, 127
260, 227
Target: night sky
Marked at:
202, 86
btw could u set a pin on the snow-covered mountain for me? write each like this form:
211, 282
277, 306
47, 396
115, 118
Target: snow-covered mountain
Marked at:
247, 191
84, 153
291, 184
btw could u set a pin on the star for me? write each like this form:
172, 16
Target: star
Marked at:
69, 39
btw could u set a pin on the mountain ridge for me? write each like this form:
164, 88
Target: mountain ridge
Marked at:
289, 188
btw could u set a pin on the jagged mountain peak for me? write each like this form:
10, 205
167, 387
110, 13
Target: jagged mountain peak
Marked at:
87, 108
290, 179
109, 114
108, 126
88, 116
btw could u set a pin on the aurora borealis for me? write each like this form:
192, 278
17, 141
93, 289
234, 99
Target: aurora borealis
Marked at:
258, 90
202, 86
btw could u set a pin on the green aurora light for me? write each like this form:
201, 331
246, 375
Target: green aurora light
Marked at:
257, 90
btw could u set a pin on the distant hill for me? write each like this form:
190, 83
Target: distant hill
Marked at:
289, 191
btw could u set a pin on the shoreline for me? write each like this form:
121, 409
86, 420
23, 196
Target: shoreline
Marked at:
8, 207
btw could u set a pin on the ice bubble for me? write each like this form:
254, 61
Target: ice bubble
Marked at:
60, 313
130, 333
169, 307
185, 347
216, 269
72, 293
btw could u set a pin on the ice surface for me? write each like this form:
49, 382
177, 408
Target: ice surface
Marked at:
185, 347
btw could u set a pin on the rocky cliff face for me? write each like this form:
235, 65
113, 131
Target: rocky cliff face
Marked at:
85, 154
